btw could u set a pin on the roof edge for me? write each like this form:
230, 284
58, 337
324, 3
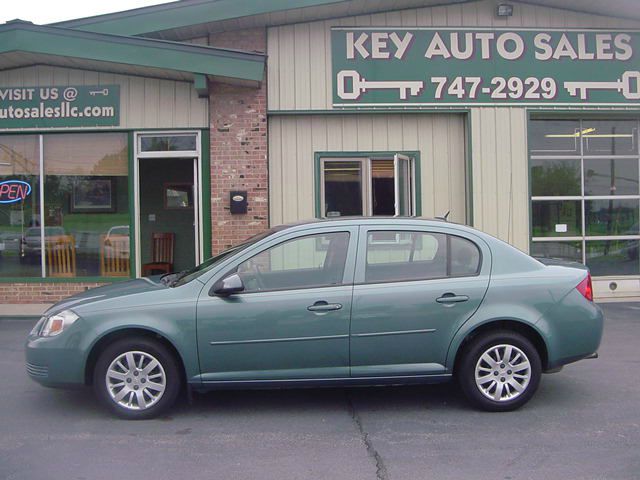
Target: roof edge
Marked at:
192, 58
177, 14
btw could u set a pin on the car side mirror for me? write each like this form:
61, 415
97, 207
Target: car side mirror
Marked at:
228, 285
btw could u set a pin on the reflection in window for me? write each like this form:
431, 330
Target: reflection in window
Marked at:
396, 256
605, 137
556, 218
20, 252
168, 143
178, 195
87, 205
601, 175
611, 217
342, 188
611, 177
571, 251
549, 137
613, 257
555, 177
310, 261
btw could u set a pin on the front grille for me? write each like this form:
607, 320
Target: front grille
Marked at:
37, 370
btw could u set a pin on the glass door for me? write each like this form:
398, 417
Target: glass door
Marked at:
168, 202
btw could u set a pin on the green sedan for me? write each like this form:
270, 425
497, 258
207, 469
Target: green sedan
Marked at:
359, 301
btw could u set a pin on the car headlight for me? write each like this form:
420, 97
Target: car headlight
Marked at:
56, 324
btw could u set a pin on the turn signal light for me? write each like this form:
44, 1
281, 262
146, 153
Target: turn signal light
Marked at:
585, 288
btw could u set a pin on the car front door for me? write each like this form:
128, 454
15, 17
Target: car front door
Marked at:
291, 321
413, 289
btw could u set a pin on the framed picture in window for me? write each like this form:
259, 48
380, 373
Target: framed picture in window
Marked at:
178, 196
93, 195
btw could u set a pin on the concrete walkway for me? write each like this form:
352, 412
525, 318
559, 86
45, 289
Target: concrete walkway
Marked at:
14, 310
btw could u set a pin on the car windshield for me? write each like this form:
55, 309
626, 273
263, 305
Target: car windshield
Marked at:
189, 275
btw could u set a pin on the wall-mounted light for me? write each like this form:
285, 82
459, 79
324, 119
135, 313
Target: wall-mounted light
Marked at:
504, 10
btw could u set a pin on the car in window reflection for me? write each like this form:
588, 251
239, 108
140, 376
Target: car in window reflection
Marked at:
116, 241
32, 242
339, 302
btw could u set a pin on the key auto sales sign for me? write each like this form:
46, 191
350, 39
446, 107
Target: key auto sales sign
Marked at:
426, 67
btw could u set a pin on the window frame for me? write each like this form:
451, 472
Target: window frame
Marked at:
581, 156
366, 157
363, 244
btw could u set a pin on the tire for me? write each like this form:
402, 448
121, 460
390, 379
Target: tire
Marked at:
500, 387
136, 393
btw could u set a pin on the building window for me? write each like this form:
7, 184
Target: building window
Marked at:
585, 193
83, 228
367, 186
19, 209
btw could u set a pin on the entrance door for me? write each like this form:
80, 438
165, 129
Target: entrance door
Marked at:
167, 201
167, 214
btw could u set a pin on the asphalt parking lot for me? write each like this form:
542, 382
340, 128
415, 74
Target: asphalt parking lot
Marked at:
584, 423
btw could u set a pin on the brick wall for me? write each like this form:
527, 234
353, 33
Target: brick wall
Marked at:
40, 292
238, 117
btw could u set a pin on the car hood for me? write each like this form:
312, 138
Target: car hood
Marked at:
109, 292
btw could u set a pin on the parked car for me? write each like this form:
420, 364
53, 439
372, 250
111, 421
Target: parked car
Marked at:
117, 233
31, 241
360, 301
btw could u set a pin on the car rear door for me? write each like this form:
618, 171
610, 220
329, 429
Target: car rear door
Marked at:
414, 287
292, 320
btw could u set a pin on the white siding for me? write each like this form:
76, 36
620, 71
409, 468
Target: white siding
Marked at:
294, 140
144, 102
499, 179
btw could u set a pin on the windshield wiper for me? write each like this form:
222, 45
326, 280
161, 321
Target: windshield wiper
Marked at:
177, 277
170, 278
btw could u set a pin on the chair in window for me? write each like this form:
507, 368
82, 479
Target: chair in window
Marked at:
114, 256
61, 256
162, 254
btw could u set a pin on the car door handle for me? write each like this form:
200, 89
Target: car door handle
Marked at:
322, 306
452, 298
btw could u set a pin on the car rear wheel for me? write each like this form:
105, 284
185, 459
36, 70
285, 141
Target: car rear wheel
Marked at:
137, 378
499, 371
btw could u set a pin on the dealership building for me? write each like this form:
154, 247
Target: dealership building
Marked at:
165, 134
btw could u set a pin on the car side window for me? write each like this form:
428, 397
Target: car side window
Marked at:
304, 262
396, 256
465, 257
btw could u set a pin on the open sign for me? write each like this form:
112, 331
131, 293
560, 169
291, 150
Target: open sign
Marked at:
12, 191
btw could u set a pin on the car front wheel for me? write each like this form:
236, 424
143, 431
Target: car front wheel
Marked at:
499, 371
137, 378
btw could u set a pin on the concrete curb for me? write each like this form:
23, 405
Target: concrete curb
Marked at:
16, 310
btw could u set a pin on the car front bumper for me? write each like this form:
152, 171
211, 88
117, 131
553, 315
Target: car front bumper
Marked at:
54, 361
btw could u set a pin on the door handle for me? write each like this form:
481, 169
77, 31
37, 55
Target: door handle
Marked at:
452, 298
322, 306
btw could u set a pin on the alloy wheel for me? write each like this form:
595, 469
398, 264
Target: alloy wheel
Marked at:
503, 372
136, 380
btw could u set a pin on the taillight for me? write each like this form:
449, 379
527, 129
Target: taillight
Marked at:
585, 288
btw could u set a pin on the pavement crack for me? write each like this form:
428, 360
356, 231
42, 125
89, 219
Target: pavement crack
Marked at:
381, 469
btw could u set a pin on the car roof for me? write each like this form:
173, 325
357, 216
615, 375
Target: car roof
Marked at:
357, 220
378, 220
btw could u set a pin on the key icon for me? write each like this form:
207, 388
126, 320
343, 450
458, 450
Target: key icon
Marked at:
104, 92
628, 85
360, 85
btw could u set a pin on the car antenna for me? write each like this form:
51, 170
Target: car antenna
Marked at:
445, 217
